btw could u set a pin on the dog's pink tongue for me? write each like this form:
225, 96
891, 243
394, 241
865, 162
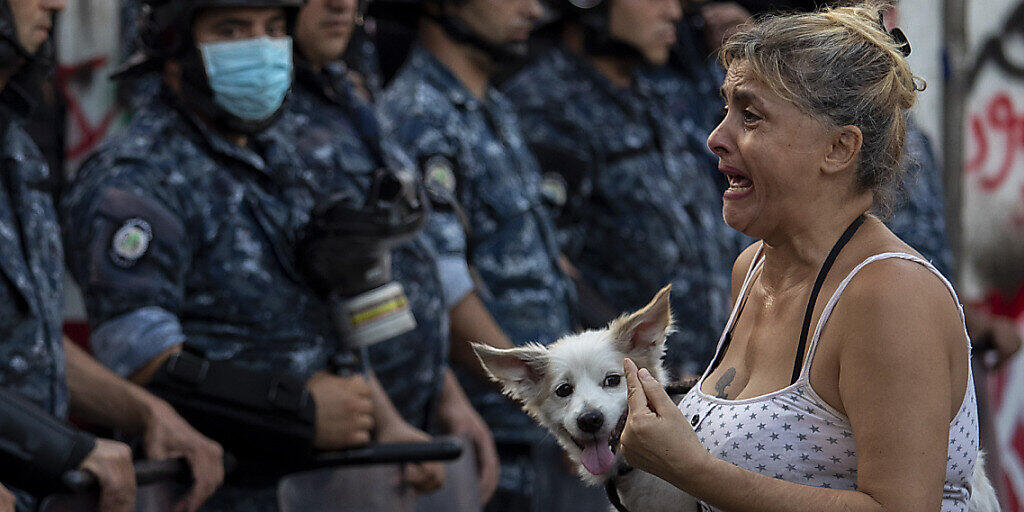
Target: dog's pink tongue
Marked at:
597, 456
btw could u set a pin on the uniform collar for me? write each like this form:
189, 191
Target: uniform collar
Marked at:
435, 73
16, 100
576, 67
217, 143
330, 83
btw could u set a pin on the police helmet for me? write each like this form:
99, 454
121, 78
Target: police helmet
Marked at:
165, 26
410, 11
593, 17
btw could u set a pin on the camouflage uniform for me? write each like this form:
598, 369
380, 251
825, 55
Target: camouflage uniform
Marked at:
31, 260
689, 83
338, 139
919, 218
179, 234
642, 208
472, 149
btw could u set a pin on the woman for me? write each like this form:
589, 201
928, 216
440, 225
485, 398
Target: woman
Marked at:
872, 409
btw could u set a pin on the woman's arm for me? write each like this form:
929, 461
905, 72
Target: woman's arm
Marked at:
898, 326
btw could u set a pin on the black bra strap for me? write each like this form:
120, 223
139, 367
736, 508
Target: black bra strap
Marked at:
825, 267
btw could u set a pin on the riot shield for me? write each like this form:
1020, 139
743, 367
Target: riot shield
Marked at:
374, 485
460, 492
160, 485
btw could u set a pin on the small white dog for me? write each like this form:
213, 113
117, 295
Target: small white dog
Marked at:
576, 389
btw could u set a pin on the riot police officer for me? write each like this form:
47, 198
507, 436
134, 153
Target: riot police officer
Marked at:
639, 205
184, 230
43, 375
338, 138
442, 108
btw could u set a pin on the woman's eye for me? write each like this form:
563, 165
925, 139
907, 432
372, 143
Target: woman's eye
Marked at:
564, 390
612, 381
750, 117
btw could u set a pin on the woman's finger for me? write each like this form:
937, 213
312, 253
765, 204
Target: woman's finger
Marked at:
637, 399
655, 395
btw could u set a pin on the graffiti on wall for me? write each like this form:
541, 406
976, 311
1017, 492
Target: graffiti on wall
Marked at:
88, 52
993, 223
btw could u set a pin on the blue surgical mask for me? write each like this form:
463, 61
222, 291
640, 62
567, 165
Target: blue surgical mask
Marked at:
249, 78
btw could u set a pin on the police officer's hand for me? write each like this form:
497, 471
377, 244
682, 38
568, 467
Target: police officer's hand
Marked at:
458, 417
344, 410
111, 462
424, 477
169, 436
6, 500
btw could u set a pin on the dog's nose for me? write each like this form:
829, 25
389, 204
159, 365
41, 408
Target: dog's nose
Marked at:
590, 421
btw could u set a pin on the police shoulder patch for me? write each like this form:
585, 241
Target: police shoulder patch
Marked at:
130, 242
439, 174
554, 189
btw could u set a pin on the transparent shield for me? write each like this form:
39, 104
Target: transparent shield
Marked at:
157, 497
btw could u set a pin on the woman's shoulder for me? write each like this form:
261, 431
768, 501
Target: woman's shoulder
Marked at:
891, 292
887, 269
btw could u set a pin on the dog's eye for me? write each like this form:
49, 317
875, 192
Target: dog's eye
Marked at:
612, 380
564, 390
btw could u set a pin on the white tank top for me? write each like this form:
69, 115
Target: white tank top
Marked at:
792, 434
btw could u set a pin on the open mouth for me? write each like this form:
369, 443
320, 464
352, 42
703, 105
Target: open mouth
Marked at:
738, 182
596, 454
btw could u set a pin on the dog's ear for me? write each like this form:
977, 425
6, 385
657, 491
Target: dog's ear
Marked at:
519, 370
641, 335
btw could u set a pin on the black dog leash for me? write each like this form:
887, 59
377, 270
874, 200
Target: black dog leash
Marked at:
613, 493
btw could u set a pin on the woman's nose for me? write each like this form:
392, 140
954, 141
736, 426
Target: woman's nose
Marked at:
718, 141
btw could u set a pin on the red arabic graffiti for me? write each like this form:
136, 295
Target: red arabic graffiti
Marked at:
999, 127
1002, 119
90, 134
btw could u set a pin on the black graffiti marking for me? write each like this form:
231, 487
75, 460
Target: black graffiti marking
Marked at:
994, 48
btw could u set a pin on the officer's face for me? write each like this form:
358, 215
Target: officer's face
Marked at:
220, 24
324, 29
501, 21
33, 20
774, 156
648, 25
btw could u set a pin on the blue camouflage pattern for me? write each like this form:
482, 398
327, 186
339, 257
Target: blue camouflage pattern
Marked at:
919, 217
497, 182
643, 209
337, 136
510, 244
31, 260
224, 220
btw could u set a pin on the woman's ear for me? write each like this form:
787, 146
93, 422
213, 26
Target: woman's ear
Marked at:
846, 144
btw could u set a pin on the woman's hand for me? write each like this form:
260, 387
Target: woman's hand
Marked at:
657, 438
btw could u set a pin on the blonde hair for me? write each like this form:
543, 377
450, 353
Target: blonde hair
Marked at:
841, 67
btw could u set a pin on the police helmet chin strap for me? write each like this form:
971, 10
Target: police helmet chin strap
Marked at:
599, 41
461, 32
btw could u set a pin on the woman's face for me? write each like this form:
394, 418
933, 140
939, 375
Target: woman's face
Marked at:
772, 154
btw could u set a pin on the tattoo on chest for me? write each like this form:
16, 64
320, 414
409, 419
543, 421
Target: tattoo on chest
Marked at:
723, 382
